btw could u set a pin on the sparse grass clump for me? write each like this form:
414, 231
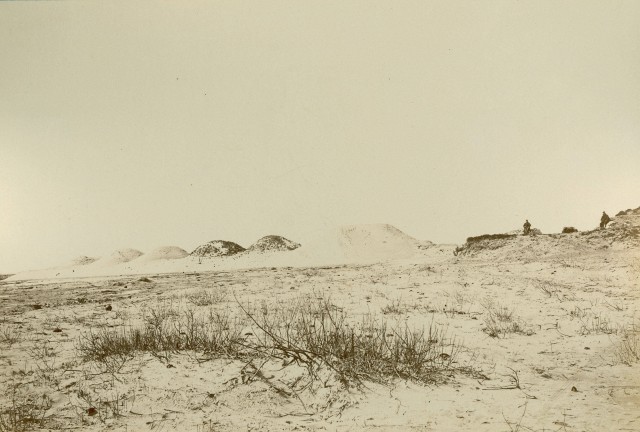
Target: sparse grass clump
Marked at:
393, 308
9, 335
25, 412
207, 297
312, 332
165, 332
597, 325
500, 320
627, 350
548, 289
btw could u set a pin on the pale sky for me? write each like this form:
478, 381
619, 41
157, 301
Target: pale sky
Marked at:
133, 124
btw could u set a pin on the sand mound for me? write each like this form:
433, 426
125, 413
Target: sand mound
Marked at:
218, 248
166, 253
376, 242
83, 260
273, 243
120, 256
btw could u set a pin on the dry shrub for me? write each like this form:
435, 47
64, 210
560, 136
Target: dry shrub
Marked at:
26, 411
490, 237
207, 297
311, 332
501, 320
627, 350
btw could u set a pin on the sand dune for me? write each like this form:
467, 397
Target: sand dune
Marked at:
165, 253
118, 256
377, 242
347, 244
273, 243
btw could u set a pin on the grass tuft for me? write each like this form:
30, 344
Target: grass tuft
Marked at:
311, 332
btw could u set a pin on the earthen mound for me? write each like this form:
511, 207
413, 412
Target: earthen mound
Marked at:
83, 260
376, 242
218, 248
273, 243
125, 255
167, 253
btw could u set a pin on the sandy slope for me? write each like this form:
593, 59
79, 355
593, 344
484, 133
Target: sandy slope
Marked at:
573, 304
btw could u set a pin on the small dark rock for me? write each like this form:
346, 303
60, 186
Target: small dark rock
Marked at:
109, 307
573, 389
92, 411
36, 306
57, 330
587, 348
144, 279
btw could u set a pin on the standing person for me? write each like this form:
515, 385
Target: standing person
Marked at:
527, 227
604, 220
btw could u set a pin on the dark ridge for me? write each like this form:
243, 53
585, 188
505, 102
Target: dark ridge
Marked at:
490, 237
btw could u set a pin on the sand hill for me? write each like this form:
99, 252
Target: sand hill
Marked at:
118, 256
83, 260
376, 242
217, 248
166, 253
273, 243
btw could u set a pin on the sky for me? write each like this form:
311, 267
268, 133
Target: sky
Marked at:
144, 124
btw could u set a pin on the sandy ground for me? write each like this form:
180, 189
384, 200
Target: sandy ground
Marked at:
560, 371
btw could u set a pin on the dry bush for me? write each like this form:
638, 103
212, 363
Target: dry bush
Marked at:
578, 313
500, 320
318, 333
207, 297
627, 350
44, 358
25, 412
548, 289
99, 403
165, 332
9, 335
597, 325
459, 303
311, 332
393, 308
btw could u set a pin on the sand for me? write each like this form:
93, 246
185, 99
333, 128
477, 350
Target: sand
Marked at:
574, 298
